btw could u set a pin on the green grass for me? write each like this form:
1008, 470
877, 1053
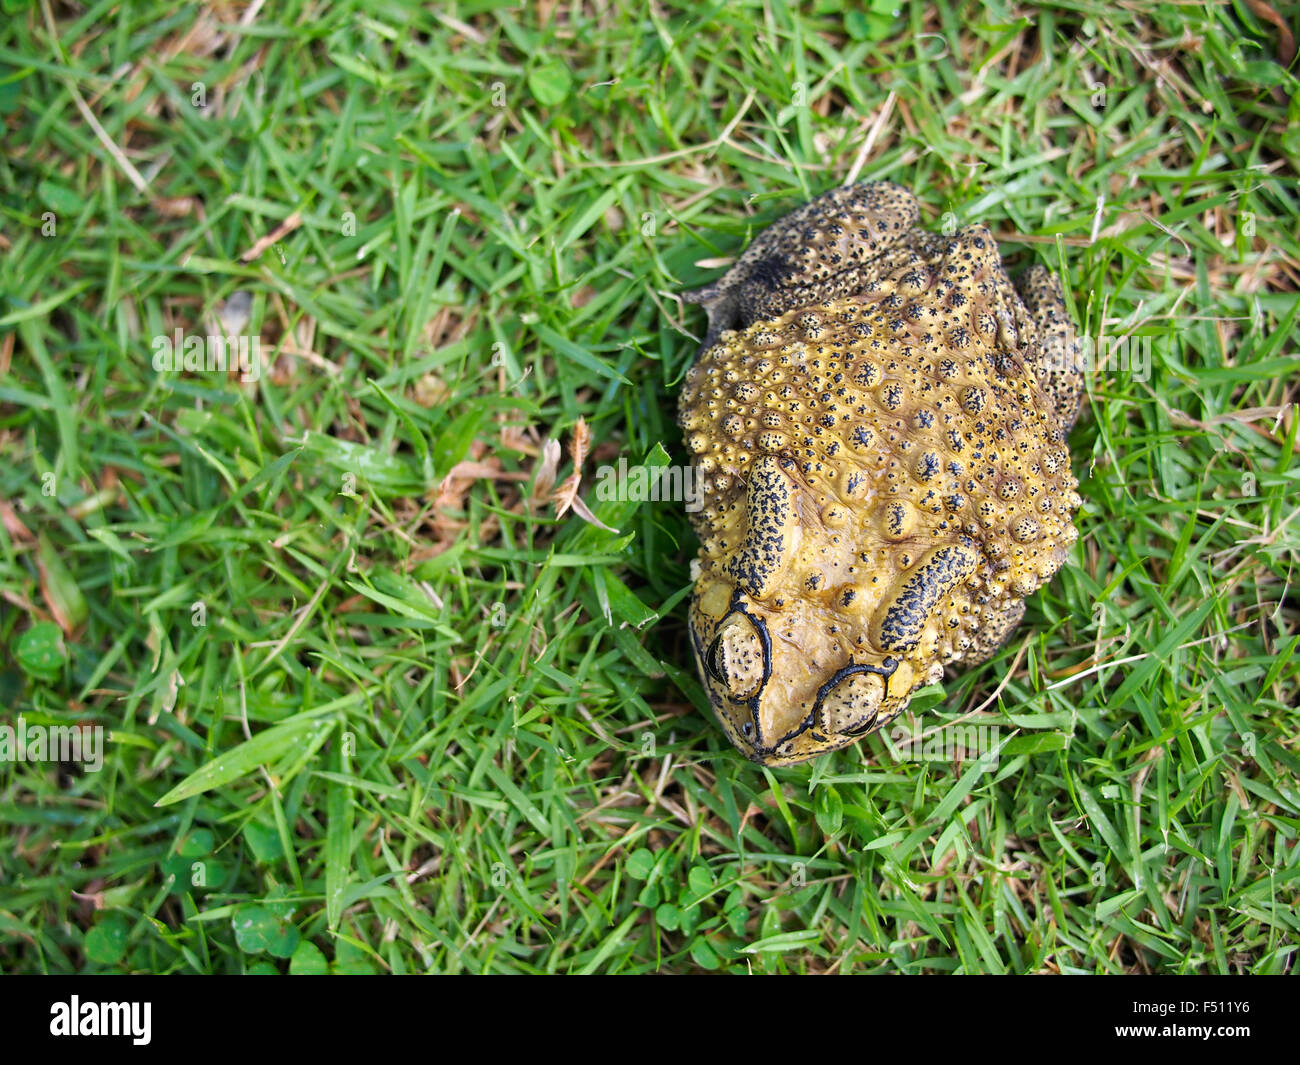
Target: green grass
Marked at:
415, 730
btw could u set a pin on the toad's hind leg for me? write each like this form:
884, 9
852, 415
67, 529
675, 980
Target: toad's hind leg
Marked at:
814, 253
1059, 360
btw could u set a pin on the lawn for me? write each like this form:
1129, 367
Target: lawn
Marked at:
383, 689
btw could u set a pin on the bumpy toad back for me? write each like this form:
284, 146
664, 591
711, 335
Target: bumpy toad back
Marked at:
878, 418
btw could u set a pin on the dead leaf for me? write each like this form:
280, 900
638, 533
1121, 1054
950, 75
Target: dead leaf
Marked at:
173, 207
13, 524
1286, 42
524, 440
429, 390
547, 471
566, 496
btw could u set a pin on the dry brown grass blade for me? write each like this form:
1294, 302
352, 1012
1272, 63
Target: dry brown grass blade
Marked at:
1286, 41
564, 496
278, 233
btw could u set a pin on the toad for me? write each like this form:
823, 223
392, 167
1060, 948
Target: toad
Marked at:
878, 418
